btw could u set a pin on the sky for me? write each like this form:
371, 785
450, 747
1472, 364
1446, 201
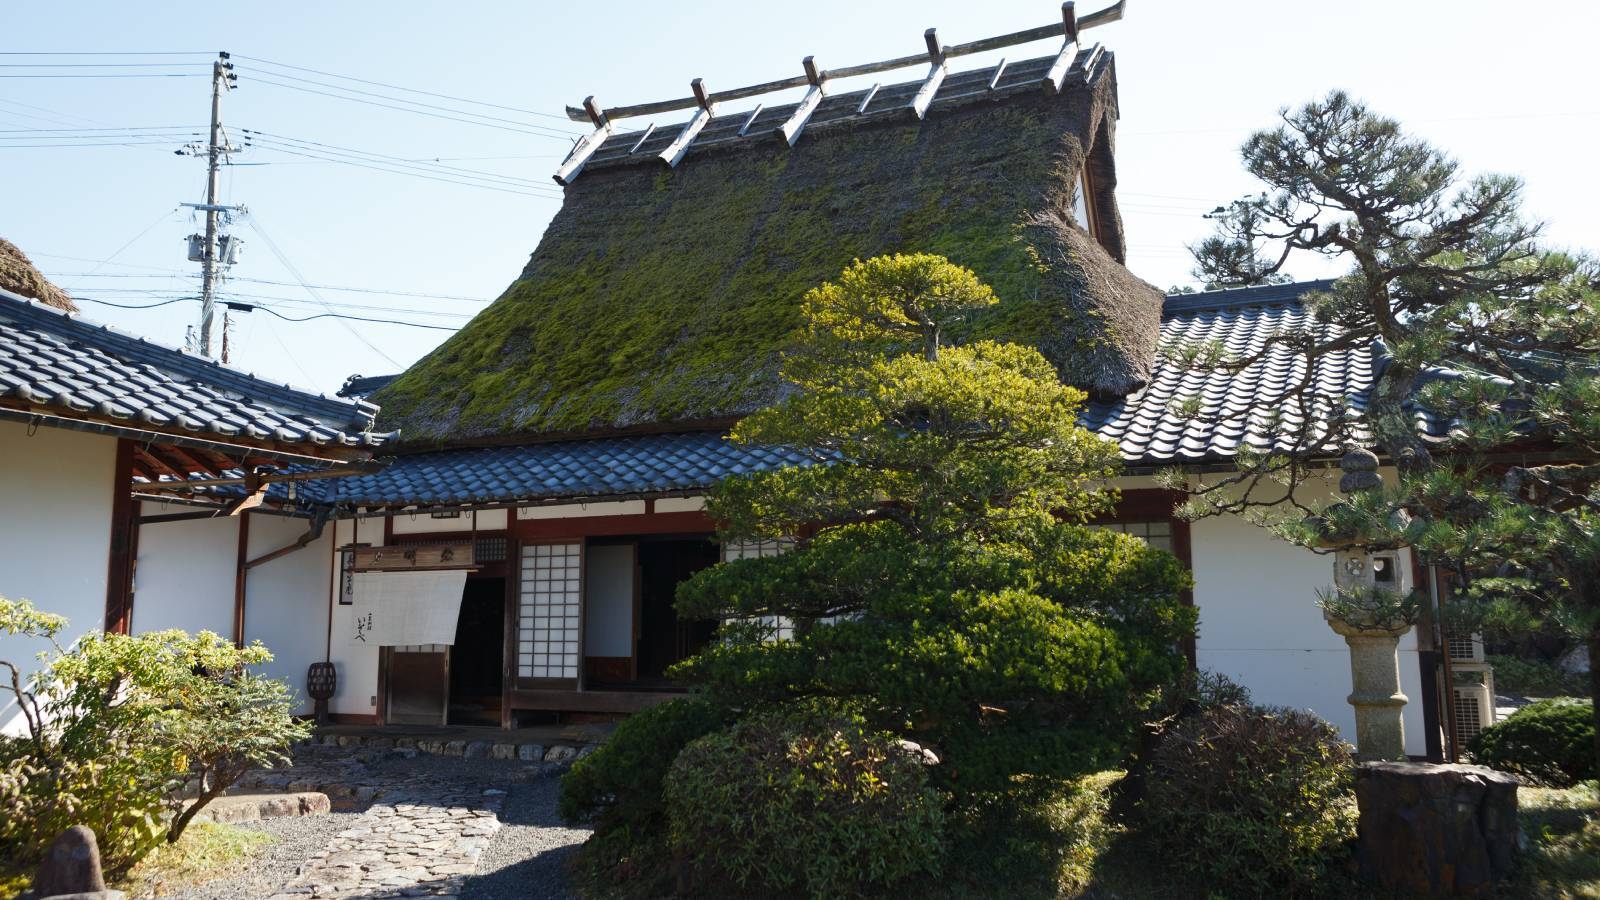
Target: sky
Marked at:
424, 214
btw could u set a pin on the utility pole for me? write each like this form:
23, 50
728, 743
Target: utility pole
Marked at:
208, 263
206, 249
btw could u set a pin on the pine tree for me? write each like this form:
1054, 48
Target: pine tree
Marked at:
941, 577
1478, 326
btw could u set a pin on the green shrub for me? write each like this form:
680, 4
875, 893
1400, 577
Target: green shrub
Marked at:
803, 799
1551, 742
618, 790
620, 783
1254, 801
131, 736
1041, 839
1527, 677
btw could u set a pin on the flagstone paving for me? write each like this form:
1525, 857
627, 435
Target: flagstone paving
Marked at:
415, 825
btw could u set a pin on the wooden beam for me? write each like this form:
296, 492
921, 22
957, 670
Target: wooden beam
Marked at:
271, 478
1056, 77
567, 700
153, 467
119, 564
930, 85
680, 145
999, 70
1101, 17
585, 148
751, 119
871, 92
790, 130
642, 138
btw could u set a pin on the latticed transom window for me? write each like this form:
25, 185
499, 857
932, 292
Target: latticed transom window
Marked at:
1156, 534
547, 611
782, 628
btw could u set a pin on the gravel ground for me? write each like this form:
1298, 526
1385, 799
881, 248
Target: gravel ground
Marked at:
296, 839
529, 855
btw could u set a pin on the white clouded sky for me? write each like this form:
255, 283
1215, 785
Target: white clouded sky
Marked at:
1504, 87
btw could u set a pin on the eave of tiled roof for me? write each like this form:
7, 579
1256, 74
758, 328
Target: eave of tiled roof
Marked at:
57, 364
599, 468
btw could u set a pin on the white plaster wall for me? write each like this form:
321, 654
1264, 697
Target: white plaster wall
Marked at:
356, 667
424, 523
608, 606
56, 492
286, 600
1259, 625
184, 577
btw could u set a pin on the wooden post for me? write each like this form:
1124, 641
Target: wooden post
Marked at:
119, 565
930, 86
241, 574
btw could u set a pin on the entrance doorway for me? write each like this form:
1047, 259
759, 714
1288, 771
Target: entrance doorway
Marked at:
477, 659
665, 639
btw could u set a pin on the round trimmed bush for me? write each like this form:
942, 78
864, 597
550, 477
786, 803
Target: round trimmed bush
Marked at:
1256, 801
801, 800
1551, 742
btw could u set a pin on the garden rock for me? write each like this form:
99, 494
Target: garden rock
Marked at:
1435, 829
71, 868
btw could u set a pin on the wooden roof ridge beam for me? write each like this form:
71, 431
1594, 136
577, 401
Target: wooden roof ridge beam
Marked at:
585, 148
790, 130
937, 70
1099, 17
1056, 78
674, 152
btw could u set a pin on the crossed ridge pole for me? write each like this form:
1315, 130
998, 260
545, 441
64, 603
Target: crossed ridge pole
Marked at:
815, 80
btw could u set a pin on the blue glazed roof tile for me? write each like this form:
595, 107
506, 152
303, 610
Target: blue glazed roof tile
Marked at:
61, 364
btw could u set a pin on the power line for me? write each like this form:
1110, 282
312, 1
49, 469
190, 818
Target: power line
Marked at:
272, 245
133, 305
111, 75
105, 53
550, 132
257, 79
330, 315
76, 130
131, 241
238, 278
532, 112
136, 65
375, 168
304, 142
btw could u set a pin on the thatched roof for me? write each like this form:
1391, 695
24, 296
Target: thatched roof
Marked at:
663, 296
18, 275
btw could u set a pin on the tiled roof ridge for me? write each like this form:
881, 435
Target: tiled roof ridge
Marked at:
1240, 298
141, 351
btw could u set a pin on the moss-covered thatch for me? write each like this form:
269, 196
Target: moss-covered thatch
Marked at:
18, 275
664, 296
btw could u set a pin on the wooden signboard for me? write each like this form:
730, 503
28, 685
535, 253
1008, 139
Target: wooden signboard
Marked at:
413, 557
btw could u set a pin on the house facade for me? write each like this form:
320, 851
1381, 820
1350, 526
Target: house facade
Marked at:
515, 557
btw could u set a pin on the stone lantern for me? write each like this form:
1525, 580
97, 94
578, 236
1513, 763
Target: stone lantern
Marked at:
1373, 633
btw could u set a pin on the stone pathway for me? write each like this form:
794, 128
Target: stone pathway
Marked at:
423, 823
409, 847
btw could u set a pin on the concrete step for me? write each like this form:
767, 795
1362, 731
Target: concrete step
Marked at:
234, 808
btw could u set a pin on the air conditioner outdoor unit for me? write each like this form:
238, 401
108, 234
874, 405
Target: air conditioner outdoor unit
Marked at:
1474, 705
1468, 649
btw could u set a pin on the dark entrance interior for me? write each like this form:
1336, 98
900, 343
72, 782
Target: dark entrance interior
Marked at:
663, 638
477, 660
